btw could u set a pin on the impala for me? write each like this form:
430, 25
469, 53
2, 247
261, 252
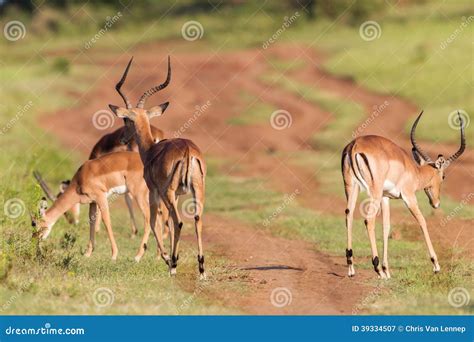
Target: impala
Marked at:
122, 140
93, 183
383, 169
173, 167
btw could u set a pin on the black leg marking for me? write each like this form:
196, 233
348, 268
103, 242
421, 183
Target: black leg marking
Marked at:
349, 256
201, 264
433, 260
196, 218
174, 261
375, 262
365, 221
145, 246
347, 211
180, 225
384, 268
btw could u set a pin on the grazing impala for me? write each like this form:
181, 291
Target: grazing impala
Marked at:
93, 183
173, 167
385, 171
122, 140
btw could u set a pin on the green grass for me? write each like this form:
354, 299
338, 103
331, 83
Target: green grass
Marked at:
408, 59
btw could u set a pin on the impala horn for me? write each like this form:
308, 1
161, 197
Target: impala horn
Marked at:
44, 186
155, 89
413, 141
118, 86
463, 142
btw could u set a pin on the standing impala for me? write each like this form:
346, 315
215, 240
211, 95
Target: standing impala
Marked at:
385, 171
173, 167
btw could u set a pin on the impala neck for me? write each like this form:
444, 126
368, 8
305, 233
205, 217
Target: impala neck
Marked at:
64, 202
144, 137
425, 175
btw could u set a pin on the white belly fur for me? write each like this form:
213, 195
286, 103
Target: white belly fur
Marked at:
390, 188
118, 190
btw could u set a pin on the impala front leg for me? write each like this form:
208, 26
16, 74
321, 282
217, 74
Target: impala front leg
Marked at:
104, 209
412, 205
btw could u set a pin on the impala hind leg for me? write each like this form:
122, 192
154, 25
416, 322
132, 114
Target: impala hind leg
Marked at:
104, 209
352, 192
370, 214
170, 202
198, 195
412, 205
128, 200
143, 205
386, 233
155, 205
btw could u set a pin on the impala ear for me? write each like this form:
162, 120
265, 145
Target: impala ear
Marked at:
158, 110
64, 185
43, 206
418, 157
119, 111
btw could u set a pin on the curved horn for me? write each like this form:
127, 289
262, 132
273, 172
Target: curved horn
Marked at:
413, 141
118, 86
44, 186
155, 89
463, 141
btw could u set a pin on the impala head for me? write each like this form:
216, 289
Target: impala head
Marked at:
435, 169
138, 114
42, 229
